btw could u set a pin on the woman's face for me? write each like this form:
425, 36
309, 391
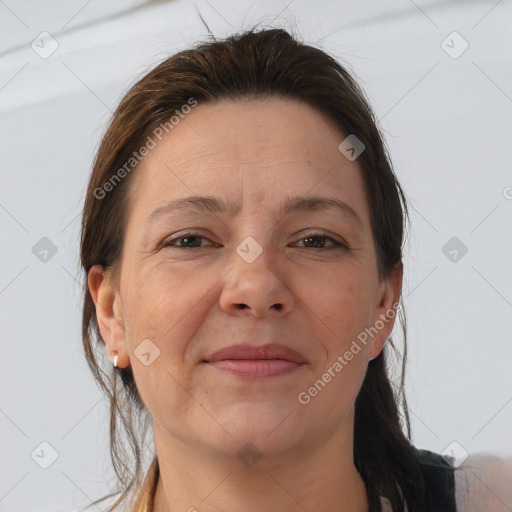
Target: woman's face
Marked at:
257, 272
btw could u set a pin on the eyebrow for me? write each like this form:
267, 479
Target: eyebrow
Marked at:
210, 204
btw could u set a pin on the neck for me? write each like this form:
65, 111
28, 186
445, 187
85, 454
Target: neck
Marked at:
320, 478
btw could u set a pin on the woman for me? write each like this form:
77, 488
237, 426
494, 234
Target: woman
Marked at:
242, 240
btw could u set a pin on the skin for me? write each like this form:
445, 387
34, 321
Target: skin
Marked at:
187, 301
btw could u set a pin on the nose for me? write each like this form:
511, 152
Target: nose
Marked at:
256, 288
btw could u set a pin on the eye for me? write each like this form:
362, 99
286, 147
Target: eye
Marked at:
189, 241
312, 239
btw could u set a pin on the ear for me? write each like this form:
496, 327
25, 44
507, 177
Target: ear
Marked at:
109, 313
385, 312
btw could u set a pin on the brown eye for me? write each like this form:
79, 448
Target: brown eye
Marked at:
317, 241
187, 241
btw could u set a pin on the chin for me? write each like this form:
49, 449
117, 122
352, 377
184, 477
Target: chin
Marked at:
267, 429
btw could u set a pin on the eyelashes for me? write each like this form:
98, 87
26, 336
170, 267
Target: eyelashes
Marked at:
191, 236
169, 242
335, 243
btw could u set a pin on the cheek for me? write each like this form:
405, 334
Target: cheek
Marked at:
159, 299
345, 310
344, 304
166, 307
163, 312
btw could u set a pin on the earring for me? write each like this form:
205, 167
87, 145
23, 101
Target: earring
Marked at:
116, 359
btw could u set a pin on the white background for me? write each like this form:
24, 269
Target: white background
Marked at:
448, 124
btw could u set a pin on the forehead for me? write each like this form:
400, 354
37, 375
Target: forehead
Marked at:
258, 150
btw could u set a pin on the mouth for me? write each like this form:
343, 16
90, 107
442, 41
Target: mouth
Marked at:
255, 368
256, 362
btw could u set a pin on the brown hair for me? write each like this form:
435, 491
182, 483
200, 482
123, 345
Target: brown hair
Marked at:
258, 63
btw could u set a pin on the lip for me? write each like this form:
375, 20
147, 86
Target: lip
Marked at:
253, 361
256, 368
253, 352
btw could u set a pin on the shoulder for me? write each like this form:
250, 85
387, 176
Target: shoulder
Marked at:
483, 482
